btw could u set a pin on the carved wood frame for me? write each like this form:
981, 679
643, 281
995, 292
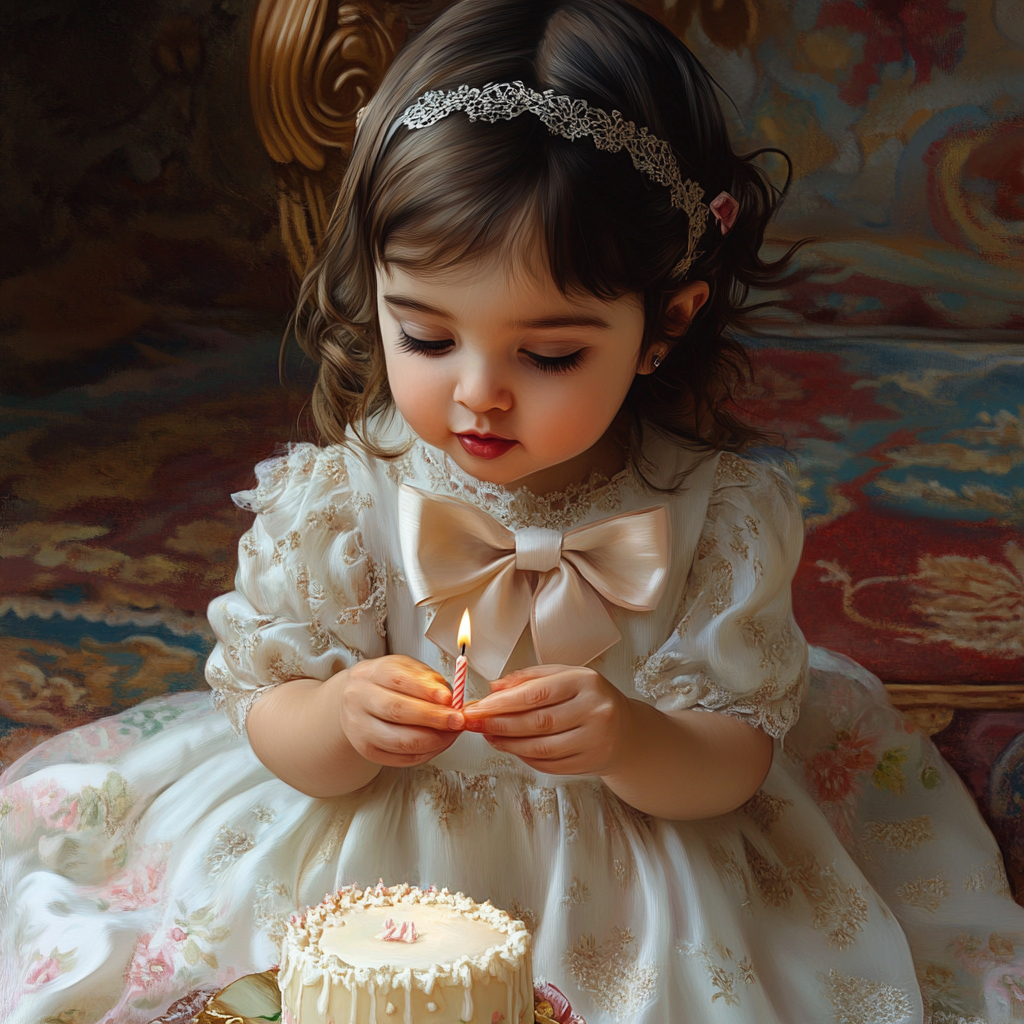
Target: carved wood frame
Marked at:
312, 65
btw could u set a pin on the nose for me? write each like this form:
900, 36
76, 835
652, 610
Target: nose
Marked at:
480, 386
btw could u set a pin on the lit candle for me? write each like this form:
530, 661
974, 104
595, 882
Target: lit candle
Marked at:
461, 665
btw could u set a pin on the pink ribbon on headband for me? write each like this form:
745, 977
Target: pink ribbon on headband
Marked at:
724, 208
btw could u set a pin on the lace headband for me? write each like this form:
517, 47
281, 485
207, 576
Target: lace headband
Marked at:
573, 119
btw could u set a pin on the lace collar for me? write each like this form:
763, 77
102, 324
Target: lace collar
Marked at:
559, 510
425, 465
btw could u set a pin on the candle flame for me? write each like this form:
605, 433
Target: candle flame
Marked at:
464, 629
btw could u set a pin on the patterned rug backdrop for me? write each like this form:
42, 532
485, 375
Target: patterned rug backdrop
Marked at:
144, 288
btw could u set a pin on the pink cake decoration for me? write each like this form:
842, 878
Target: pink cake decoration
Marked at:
405, 932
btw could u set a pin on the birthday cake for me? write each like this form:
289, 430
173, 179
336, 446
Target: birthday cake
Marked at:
370, 956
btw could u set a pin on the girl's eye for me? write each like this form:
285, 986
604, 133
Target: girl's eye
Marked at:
422, 346
556, 364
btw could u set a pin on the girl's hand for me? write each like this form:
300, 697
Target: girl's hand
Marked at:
558, 719
396, 711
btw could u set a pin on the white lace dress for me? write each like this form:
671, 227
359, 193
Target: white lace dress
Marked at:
151, 853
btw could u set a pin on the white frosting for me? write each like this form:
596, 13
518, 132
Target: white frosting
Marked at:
443, 935
332, 952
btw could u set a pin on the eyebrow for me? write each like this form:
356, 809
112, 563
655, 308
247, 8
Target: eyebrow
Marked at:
536, 324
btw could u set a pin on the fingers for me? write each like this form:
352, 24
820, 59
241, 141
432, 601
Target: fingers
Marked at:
557, 747
403, 746
551, 687
524, 675
410, 677
387, 705
542, 721
401, 691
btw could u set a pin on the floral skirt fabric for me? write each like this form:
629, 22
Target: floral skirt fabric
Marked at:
149, 854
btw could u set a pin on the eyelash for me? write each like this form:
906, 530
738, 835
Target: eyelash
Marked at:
556, 364
547, 364
407, 343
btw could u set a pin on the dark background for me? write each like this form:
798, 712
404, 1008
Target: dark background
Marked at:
134, 191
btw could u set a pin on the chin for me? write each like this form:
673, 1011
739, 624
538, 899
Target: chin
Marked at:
488, 470
494, 471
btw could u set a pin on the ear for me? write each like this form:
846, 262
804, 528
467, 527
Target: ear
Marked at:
681, 310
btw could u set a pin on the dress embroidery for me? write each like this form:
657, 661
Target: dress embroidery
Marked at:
765, 708
719, 587
765, 810
544, 801
860, 1001
271, 908
291, 542
331, 517
310, 590
247, 636
989, 876
455, 794
900, 836
611, 972
774, 648
228, 845
518, 912
375, 589
263, 814
570, 820
283, 670
713, 958
771, 880
333, 836
732, 469
321, 640
235, 703
838, 910
625, 872
927, 893
331, 464
578, 892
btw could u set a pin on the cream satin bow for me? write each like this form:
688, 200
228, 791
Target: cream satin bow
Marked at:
459, 556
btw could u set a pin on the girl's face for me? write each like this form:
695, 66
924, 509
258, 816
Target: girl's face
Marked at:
491, 363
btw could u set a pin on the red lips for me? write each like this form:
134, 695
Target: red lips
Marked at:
486, 446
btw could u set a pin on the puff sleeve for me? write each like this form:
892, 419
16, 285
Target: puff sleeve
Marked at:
736, 648
309, 599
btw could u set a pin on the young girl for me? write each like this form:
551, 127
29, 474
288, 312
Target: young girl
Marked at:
518, 315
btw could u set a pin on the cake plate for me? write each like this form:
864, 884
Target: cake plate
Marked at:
256, 999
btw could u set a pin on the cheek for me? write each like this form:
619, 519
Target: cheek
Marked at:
575, 415
419, 391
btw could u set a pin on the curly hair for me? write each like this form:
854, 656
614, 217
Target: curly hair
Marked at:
607, 229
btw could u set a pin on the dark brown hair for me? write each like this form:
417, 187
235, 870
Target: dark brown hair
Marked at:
434, 196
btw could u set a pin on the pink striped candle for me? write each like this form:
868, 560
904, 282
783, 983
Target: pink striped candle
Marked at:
461, 665
459, 689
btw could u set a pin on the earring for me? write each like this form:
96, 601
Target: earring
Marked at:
657, 360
